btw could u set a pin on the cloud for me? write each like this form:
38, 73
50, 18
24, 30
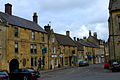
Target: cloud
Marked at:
78, 16
65, 4
81, 31
79, 20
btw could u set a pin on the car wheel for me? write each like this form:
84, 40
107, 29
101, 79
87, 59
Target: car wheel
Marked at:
25, 78
113, 70
35, 79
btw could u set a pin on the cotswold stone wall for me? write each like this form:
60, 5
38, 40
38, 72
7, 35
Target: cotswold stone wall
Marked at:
3, 62
114, 38
24, 39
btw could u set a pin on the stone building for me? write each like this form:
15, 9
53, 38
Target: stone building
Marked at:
68, 49
106, 53
23, 43
53, 48
80, 49
90, 49
114, 29
99, 51
62, 49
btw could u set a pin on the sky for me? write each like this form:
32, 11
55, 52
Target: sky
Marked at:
76, 16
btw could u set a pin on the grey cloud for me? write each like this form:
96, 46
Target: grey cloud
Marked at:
65, 4
74, 15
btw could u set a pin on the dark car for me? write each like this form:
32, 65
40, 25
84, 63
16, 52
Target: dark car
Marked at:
4, 75
24, 74
115, 66
83, 63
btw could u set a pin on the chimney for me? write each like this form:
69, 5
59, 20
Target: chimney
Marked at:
84, 38
35, 18
67, 33
47, 28
78, 39
95, 34
89, 32
8, 8
74, 38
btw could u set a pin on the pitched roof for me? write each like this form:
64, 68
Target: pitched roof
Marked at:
82, 42
80, 47
114, 5
17, 21
78, 43
64, 40
88, 44
92, 44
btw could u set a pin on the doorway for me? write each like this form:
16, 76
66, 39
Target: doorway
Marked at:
13, 65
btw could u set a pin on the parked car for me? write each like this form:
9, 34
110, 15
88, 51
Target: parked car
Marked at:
115, 66
106, 65
83, 63
4, 75
24, 74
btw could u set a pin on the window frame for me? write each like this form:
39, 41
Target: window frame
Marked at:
66, 60
33, 35
16, 32
43, 37
119, 23
34, 61
53, 39
69, 51
53, 50
16, 46
33, 48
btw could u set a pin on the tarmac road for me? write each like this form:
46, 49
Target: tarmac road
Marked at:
92, 72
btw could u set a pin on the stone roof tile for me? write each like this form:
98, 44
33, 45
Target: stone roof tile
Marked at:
17, 21
64, 40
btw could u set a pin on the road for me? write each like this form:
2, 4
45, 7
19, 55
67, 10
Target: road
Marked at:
93, 72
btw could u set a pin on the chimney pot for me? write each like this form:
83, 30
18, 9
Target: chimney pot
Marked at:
35, 18
47, 28
95, 34
67, 33
89, 32
78, 39
84, 37
74, 38
8, 8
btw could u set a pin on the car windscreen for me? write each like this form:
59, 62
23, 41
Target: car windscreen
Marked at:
29, 70
3, 73
115, 63
84, 61
80, 60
